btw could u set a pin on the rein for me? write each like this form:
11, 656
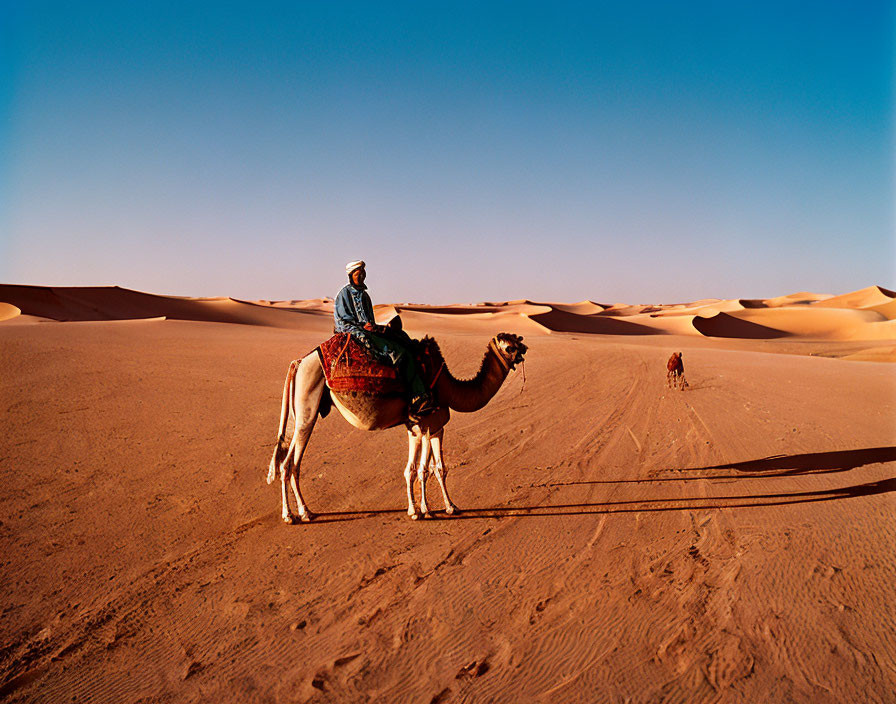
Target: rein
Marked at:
438, 374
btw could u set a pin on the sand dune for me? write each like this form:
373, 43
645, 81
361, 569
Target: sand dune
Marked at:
829, 323
888, 310
318, 304
801, 298
115, 303
580, 308
559, 321
8, 311
702, 308
727, 325
863, 298
418, 323
863, 314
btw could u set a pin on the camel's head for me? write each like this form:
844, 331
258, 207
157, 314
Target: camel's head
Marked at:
511, 348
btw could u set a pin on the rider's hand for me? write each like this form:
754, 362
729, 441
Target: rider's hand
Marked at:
369, 327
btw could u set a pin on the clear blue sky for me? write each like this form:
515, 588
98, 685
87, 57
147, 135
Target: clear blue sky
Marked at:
630, 151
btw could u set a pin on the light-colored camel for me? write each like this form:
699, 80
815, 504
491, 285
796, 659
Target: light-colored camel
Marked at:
306, 395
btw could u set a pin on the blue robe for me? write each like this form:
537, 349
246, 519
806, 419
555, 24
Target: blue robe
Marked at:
351, 310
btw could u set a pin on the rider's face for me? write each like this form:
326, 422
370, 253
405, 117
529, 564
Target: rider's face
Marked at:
358, 276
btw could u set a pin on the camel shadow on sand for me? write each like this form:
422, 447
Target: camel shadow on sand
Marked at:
692, 504
776, 466
812, 462
765, 467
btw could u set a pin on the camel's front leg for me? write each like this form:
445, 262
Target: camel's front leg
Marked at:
440, 471
413, 446
422, 471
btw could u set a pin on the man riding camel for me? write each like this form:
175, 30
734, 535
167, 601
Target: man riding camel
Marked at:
353, 313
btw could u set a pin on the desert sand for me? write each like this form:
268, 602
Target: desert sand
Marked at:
618, 542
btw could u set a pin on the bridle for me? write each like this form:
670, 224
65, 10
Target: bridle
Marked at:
506, 364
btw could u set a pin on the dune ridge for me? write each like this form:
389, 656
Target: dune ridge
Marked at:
864, 314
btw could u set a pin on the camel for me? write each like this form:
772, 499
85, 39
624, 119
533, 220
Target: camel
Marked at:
675, 372
306, 396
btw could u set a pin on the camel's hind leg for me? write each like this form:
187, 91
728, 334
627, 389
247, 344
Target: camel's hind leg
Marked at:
414, 440
309, 390
440, 470
297, 450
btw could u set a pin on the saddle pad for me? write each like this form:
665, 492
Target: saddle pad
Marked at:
349, 366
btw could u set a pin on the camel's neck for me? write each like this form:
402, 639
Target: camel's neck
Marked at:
467, 395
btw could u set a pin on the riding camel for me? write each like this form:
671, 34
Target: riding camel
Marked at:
307, 396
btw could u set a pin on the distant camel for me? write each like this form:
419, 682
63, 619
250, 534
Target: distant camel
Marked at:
306, 395
675, 372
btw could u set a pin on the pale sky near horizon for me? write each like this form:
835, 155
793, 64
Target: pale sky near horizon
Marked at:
632, 151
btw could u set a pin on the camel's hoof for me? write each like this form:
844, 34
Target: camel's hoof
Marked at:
426, 514
414, 516
307, 517
290, 520
451, 510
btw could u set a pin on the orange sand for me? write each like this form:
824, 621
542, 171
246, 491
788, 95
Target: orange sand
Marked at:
619, 541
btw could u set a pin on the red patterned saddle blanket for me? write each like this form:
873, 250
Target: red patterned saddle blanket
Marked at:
349, 366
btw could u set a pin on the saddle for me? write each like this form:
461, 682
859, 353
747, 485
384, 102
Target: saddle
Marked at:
350, 367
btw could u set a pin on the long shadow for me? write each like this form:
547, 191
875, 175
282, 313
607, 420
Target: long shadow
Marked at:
339, 516
883, 486
773, 466
838, 461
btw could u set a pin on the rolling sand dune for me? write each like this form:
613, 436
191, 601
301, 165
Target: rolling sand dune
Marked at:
419, 324
863, 298
802, 298
864, 314
114, 303
836, 323
8, 311
581, 308
888, 310
703, 308
727, 325
324, 305
558, 321
618, 540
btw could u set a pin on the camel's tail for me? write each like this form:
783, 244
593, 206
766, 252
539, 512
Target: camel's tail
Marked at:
286, 409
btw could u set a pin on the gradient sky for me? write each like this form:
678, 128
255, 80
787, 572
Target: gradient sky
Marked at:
630, 151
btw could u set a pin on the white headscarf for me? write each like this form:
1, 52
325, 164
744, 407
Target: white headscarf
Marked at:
351, 266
